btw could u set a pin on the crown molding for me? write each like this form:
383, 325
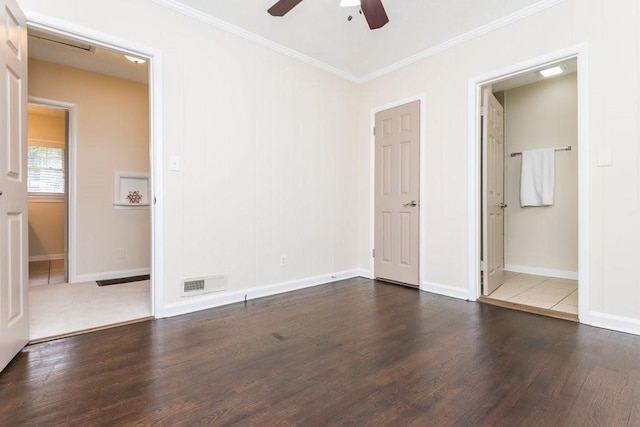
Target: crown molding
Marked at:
233, 29
463, 38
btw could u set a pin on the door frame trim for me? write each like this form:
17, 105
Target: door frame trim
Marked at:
580, 52
154, 58
422, 98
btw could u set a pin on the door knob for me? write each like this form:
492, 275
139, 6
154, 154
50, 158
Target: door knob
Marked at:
502, 206
411, 203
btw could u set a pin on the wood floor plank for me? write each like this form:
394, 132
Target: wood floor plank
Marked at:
356, 352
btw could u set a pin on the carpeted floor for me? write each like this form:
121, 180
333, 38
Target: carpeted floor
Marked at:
66, 308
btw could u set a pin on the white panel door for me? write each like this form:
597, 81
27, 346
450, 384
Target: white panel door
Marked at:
14, 317
492, 192
397, 182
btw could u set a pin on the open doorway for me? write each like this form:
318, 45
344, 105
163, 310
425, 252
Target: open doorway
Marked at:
530, 242
47, 185
108, 190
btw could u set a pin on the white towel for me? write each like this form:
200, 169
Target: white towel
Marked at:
537, 177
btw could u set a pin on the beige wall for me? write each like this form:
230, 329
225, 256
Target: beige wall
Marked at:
45, 127
112, 135
46, 219
46, 229
542, 115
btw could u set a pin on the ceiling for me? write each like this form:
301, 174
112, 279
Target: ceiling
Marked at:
320, 30
533, 76
64, 51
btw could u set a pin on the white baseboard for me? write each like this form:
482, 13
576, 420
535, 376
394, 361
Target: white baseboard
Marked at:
616, 323
547, 272
203, 302
449, 291
361, 272
51, 257
82, 278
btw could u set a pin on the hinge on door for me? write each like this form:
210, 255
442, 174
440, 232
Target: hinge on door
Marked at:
373, 253
374, 131
483, 110
483, 265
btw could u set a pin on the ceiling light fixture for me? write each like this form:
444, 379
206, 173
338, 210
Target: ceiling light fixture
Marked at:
135, 60
550, 72
349, 3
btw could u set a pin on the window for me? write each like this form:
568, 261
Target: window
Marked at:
45, 169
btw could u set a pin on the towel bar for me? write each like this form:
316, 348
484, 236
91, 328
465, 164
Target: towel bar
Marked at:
567, 148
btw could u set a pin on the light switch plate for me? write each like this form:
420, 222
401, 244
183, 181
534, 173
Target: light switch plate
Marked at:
605, 157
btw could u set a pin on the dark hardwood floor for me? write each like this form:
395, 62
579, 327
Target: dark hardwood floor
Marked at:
356, 352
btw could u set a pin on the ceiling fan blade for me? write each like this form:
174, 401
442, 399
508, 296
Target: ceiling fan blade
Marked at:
282, 7
374, 13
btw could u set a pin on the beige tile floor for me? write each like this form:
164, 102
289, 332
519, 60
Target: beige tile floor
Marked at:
63, 308
539, 291
46, 272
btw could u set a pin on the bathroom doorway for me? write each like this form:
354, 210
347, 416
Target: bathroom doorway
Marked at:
530, 251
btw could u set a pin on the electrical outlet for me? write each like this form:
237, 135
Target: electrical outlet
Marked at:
283, 260
174, 163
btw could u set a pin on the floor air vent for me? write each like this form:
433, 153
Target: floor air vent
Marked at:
204, 285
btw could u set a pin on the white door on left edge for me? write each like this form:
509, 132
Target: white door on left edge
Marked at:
14, 316
397, 191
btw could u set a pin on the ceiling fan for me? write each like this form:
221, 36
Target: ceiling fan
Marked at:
372, 10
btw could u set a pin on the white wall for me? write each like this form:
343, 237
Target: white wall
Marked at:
611, 32
267, 150
112, 135
542, 115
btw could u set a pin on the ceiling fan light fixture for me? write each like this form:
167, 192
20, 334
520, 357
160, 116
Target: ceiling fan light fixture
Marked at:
135, 60
349, 3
